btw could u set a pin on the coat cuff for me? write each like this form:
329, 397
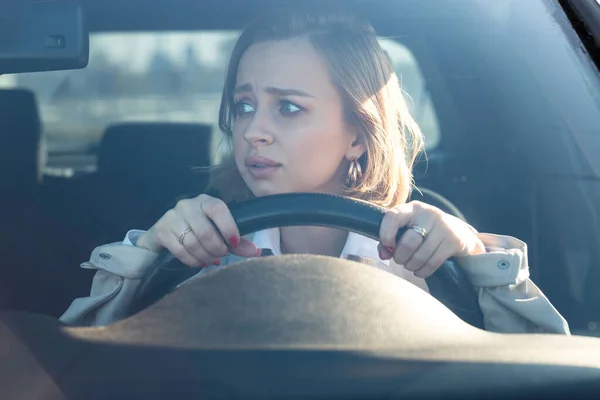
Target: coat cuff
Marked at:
505, 262
132, 237
127, 261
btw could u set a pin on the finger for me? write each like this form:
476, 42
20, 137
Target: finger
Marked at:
423, 253
211, 225
218, 212
412, 240
179, 220
178, 226
220, 215
171, 243
209, 238
408, 244
384, 252
167, 231
204, 242
441, 254
393, 220
197, 250
184, 256
246, 248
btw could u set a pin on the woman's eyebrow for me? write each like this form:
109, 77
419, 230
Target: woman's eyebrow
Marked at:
287, 92
246, 87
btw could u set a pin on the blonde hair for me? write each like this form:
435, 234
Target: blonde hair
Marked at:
370, 92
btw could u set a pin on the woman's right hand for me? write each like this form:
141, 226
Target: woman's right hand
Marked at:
206, 221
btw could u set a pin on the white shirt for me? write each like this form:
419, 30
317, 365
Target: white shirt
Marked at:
356, 244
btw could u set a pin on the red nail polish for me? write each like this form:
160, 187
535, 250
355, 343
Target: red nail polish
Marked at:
390, 249
217, 262
234, 241
258, 252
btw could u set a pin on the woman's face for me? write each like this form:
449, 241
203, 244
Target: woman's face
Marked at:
290, 134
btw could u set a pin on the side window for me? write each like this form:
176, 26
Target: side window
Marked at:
415, 89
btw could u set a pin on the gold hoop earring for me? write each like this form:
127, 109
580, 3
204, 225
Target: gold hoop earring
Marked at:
354, 173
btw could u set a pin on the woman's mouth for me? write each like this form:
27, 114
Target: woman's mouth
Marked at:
261, 167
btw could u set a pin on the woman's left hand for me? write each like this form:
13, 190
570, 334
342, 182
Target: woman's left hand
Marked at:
433, 237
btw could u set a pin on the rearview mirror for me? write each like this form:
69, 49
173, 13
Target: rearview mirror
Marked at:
42, 36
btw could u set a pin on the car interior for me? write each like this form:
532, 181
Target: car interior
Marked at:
508, 99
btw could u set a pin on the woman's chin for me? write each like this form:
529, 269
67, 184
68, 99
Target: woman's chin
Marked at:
266, 190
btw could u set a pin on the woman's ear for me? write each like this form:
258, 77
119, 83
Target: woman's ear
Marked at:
356, 150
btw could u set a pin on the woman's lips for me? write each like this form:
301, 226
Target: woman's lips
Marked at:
261, 167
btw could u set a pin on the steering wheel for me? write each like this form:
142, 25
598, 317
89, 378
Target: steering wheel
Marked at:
448, 284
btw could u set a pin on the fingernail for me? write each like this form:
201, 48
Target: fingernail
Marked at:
385, 257
234, 241
390, 249
258, 252
217, 262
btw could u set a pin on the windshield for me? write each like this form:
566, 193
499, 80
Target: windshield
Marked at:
506, 95
178, 76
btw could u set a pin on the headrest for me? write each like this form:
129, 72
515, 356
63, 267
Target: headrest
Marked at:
153, 152
20, 131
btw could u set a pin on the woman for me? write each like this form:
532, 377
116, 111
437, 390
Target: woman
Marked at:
311, 103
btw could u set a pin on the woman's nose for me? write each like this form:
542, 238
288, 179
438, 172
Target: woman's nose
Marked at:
259, 130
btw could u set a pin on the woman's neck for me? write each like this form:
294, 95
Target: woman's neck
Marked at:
312, 240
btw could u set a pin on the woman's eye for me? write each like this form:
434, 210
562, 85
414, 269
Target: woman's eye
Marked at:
289, 108
242, 108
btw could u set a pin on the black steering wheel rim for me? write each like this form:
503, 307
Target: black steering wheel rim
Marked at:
309, 209
449, 284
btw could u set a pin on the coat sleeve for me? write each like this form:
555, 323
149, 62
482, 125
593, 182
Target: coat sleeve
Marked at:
121, 269
509, 300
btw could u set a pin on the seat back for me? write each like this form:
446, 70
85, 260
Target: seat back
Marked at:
143, 169
156, 157
20, 144
20, 173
